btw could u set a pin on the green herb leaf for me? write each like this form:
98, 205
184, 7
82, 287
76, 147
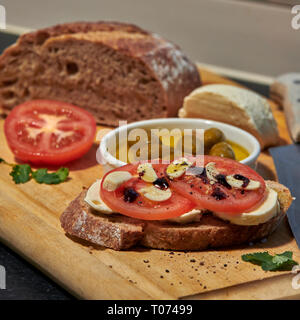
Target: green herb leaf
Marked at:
63, 173
42, 176
21, 173
279, 262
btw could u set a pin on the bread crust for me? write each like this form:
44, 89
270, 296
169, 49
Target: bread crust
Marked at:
165, 63
120, 232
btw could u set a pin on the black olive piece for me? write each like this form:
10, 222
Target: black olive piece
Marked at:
221, 178
203, 175
130, 195
161, 183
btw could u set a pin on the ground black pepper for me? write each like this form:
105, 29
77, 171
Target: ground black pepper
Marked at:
218, 194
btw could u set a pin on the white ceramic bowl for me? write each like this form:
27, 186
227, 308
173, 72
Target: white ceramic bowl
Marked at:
234, 134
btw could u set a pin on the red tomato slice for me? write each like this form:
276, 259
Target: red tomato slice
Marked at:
219, 197
49, 132
143, 208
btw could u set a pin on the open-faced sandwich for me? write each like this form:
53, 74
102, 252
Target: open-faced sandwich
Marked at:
178, 206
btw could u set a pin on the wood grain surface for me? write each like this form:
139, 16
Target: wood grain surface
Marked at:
29, 223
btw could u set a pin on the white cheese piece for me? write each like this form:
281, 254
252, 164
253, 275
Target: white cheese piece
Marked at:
191, 216
267, 210
94, 200
235, 183
237, 106
253, 185
178, 167
156, 194
115, 179
211, 172
147, 173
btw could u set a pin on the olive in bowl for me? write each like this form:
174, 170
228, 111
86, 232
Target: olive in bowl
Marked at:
222, 149
212, 136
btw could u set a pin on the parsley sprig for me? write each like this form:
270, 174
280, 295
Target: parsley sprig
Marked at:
22, 173
278, 262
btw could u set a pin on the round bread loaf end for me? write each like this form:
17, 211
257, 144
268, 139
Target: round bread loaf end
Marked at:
116, 71
236, 106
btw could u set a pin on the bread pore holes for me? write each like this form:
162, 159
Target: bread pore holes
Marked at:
10, 82
144, 81
8, 95
26, 92
72, 68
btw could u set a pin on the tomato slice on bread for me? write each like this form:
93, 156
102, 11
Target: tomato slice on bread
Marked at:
128, 199
49, 132
218, 195
209, 188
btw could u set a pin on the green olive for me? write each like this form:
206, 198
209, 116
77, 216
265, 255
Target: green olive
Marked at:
222, 149
212, 136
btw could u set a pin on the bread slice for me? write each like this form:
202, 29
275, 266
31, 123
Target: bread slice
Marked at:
286, 92
116, 71
120, 232
236, 106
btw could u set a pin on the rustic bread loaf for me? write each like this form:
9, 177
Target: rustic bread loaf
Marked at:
120, 232
237, 106
116, 71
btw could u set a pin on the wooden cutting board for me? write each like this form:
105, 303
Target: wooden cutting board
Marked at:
29, 224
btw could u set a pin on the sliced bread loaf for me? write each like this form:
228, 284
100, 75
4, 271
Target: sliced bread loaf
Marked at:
116, 71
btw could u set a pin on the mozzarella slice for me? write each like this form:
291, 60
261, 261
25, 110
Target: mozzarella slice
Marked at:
115, 179
156, 194
178, 167
93, 199
146, 172
269, 208
191, 216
